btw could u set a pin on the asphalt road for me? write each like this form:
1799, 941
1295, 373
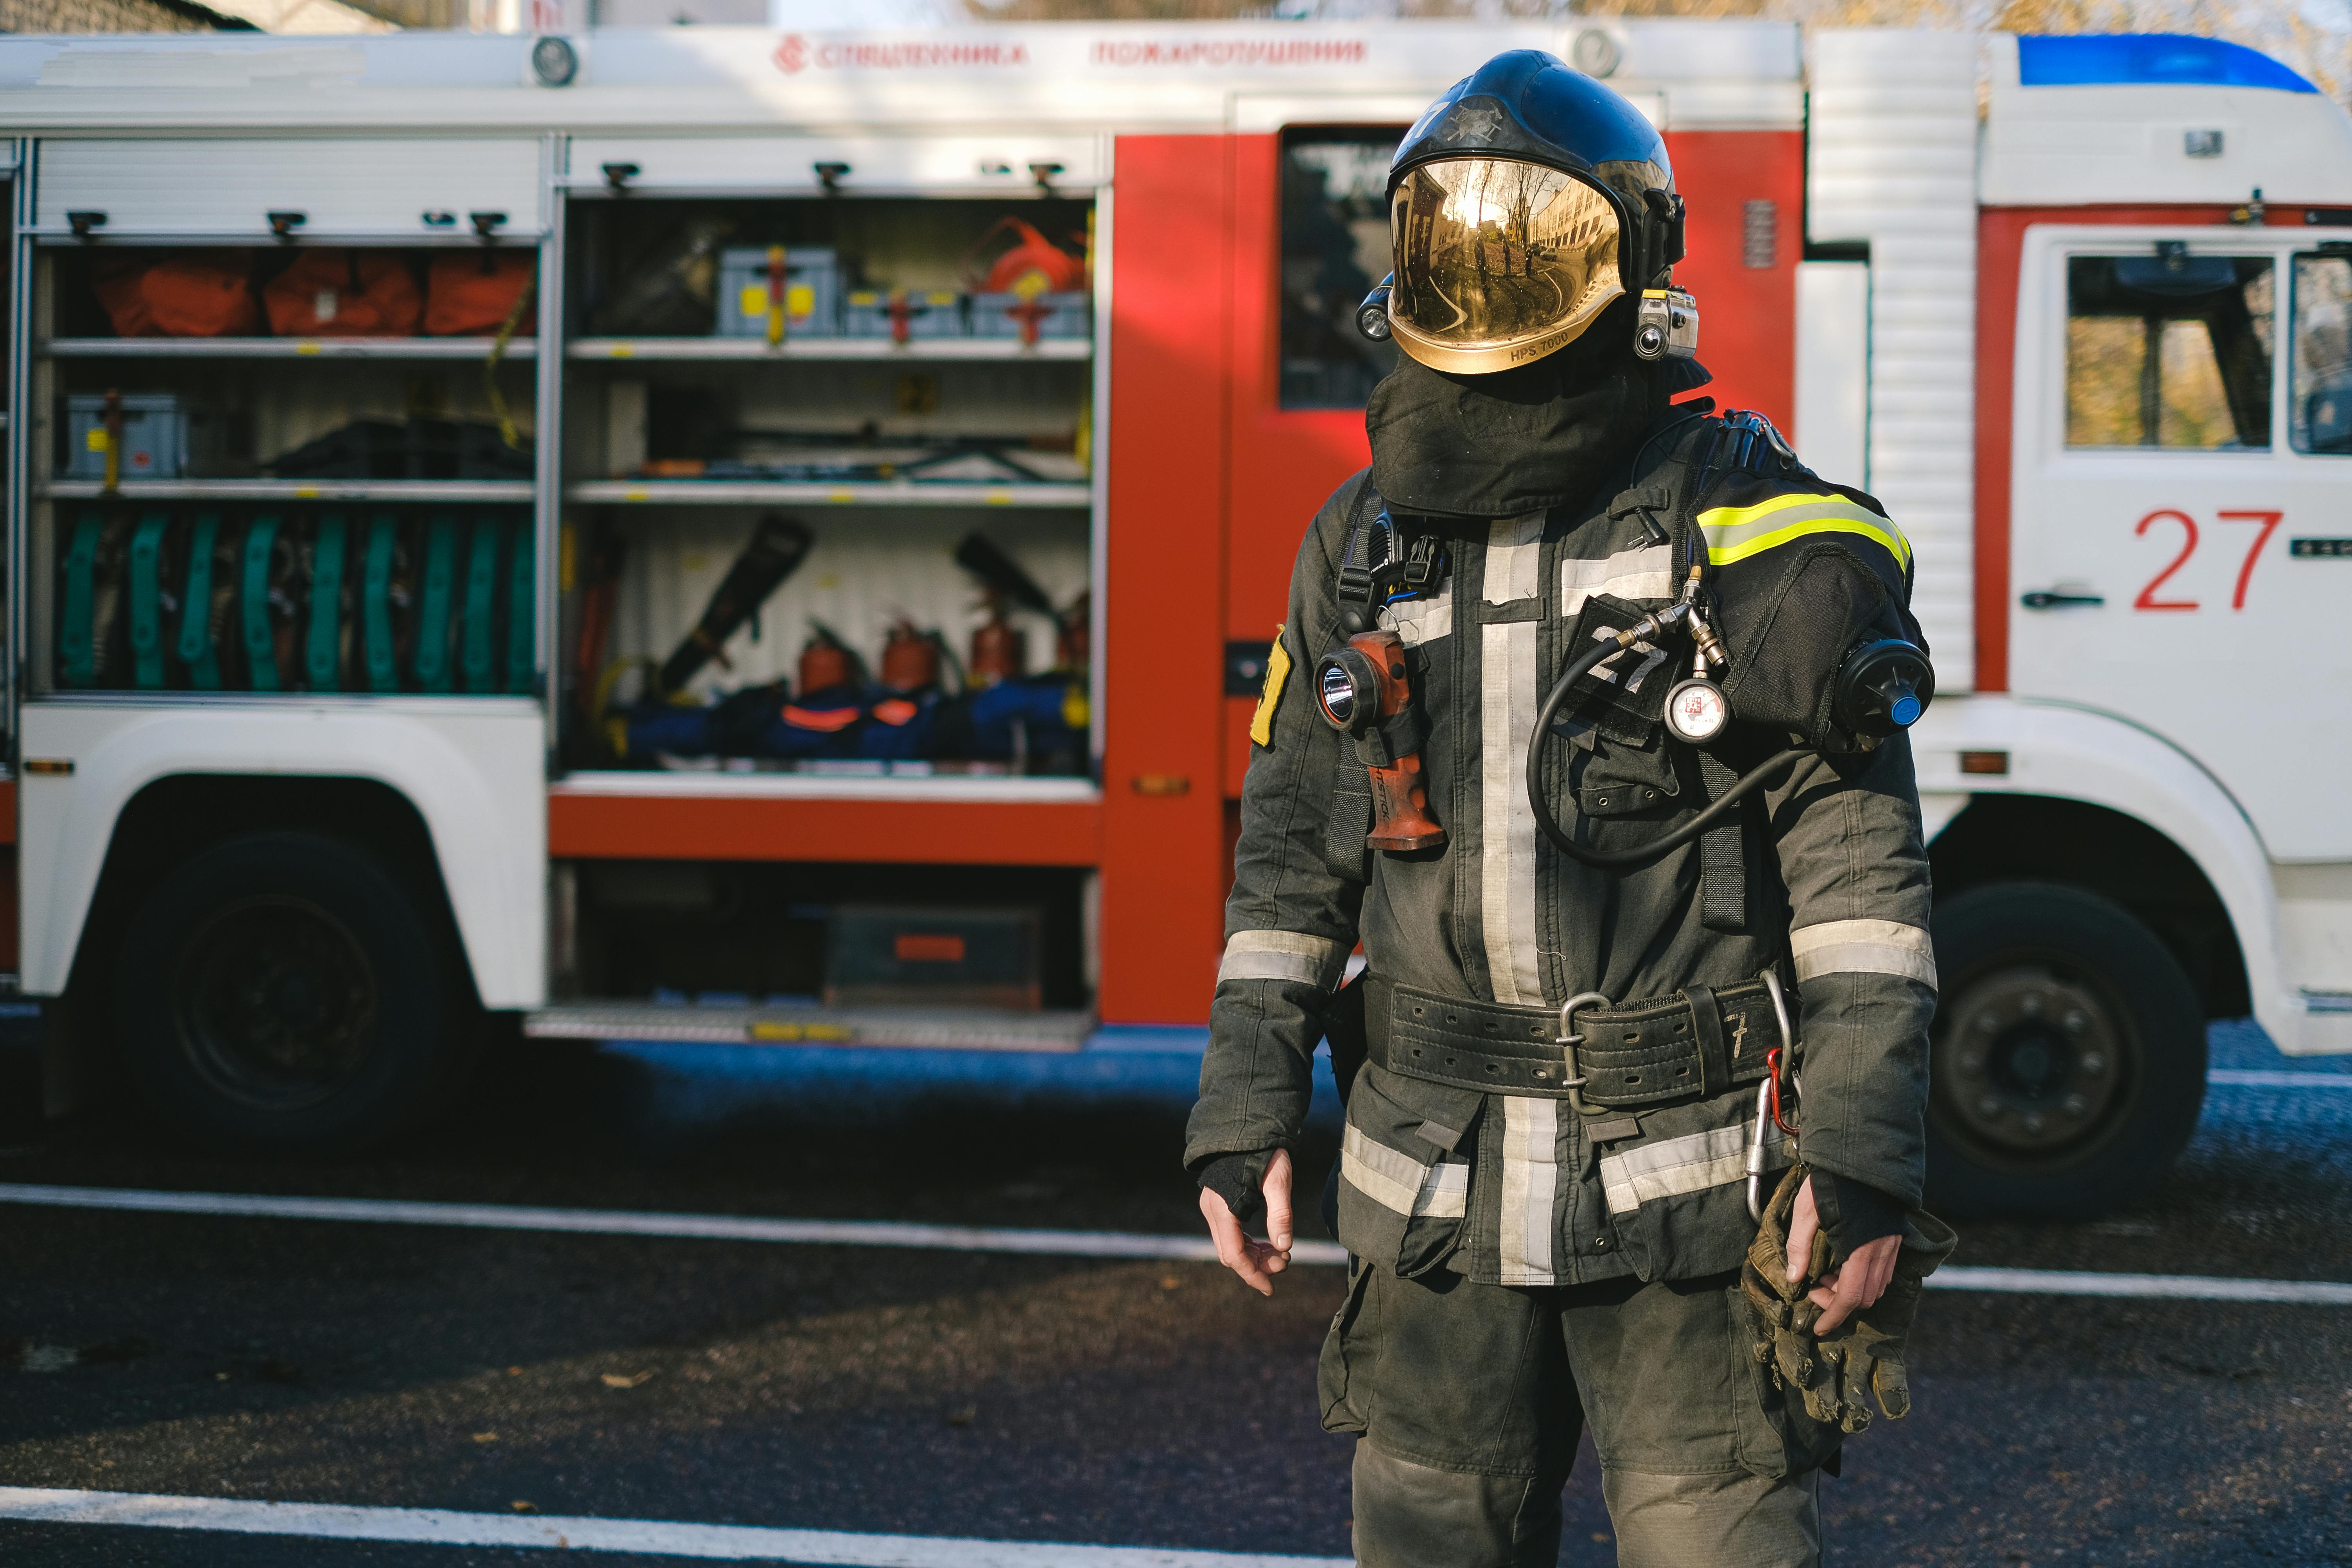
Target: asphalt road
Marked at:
1032, 1398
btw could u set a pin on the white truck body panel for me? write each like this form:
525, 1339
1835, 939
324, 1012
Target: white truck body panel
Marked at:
474, 768
2209, 634
1136, 76
2072, 754
183, 187
2066, 146
1892, 162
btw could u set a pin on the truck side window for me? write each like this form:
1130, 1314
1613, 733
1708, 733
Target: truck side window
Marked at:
2169, 350
1335, 246
2319, 412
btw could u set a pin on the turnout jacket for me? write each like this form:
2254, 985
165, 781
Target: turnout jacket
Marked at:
1826, 879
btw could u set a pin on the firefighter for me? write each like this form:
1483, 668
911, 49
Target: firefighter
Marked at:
1587, 1012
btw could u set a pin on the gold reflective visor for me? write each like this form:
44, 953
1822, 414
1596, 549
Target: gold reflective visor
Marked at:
1498, 262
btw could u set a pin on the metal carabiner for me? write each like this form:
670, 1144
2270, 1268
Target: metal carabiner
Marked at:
1768, 1096
1755, 1151
1568, 1040
1786, 1057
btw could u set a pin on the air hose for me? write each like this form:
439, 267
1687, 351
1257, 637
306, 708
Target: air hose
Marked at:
1629, 859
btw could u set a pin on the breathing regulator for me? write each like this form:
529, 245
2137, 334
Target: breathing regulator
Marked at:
1878, 689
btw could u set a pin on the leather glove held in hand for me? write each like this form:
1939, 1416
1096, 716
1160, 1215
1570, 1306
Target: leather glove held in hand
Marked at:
1865, 1352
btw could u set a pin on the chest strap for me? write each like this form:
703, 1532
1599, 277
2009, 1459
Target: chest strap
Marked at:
1695, 1044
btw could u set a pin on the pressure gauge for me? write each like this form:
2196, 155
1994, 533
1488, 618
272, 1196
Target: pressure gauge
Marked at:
1696, 710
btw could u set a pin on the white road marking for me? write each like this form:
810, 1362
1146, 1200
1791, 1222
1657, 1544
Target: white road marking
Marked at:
2246, 1077
625, 1222
652, 1537
2153, 1286
984, 1239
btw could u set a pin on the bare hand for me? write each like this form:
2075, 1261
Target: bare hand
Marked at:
1856, 1283
1257, 1262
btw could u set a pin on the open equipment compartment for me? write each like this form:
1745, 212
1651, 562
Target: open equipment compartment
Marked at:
829, 485
286, 450
824, 598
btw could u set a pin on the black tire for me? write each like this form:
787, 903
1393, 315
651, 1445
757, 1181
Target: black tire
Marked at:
2068, 1059
283, 991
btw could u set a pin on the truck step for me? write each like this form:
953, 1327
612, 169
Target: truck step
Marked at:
937, 1028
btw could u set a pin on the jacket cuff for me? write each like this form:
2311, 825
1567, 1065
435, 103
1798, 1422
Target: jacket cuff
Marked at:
1239, 1179
1852, 1213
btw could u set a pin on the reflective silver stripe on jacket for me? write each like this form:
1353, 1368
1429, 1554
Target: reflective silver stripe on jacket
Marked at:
1401, 1183
1531, 1181
1417, 621
1632, 574
1864, 947
1283, 955
1690, 1164
1506, 827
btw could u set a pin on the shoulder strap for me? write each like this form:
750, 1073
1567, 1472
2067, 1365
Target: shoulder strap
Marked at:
1370, 531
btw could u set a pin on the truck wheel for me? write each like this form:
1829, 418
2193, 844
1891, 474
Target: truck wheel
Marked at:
2067, 1066
283, 991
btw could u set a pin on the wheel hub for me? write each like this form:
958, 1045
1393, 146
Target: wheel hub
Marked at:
276, 1002
2027, 1061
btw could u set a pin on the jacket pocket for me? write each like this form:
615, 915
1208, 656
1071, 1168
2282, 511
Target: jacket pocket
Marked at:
1404, 1170
1678, 1199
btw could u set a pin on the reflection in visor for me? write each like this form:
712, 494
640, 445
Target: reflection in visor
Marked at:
1492, 254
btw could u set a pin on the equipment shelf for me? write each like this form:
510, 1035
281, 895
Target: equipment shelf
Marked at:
934, 1028
476, 349
733, 492
958, 820
903, 788
516, 491
991, 351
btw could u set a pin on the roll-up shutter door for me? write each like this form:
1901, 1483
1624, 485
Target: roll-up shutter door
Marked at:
341, 186
925, 165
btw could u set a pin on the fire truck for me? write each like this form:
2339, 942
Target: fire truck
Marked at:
727, 535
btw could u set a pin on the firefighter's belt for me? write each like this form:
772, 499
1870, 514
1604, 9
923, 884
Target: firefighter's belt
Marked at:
1697, 1043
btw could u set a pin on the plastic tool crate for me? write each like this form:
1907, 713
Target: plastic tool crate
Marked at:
810, 286
1031, 317
926, 312
162, 438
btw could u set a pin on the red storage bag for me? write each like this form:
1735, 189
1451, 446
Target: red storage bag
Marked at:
471, 293
343, 294
180, 297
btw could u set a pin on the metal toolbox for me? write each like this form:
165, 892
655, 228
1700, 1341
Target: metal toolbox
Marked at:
810, 288
883, 957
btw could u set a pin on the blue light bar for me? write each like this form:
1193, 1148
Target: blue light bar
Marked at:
2148, 60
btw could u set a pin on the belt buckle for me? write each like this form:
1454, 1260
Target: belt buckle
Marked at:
1567, 1042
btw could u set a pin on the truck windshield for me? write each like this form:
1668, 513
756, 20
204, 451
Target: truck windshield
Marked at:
2320, 415
2165, 349
1335, 246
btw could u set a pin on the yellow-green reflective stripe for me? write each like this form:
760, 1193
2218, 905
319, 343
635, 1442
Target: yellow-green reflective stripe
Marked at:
1829, 514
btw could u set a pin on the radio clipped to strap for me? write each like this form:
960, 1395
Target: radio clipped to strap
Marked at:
1383, 562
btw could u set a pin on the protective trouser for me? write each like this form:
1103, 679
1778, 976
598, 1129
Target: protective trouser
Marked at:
1469, 1399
